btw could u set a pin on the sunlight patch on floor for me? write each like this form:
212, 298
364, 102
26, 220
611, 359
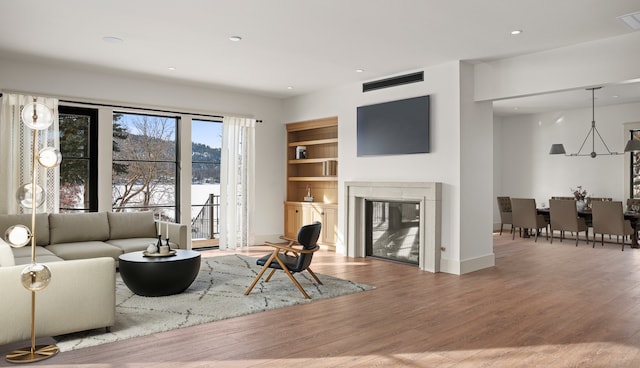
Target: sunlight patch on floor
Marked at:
599, 354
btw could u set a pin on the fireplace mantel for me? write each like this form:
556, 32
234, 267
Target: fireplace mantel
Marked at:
428, 194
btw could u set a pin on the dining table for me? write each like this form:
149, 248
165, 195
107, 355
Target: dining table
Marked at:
632, 216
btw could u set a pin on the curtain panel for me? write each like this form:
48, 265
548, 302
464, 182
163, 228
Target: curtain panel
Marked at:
237, 183
16, 154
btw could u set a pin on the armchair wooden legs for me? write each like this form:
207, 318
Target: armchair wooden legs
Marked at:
262, 271
274, 257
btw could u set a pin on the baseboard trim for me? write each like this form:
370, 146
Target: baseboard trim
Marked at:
261, 239
467, 266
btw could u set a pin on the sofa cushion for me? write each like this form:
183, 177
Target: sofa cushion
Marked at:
22, 255
86, 249
78, 227
6, 255
133, 244
42, 225
126, 225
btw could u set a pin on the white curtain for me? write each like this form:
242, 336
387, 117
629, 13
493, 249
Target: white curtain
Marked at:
237, 186
16, 154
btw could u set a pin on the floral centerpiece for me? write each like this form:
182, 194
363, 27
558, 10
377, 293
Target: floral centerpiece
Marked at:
579, 193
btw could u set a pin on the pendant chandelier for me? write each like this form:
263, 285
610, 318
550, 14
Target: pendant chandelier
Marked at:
558, 148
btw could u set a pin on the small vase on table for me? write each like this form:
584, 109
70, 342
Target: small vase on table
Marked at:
580, 204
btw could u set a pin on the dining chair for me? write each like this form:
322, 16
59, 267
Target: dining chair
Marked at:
633, 205
564, 217
525, 217
593, 199
564, 198
504, 205
632, 202
608, 218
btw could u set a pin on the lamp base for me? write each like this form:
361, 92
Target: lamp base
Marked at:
26, 355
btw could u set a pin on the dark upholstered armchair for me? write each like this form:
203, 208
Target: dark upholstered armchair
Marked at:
291, 257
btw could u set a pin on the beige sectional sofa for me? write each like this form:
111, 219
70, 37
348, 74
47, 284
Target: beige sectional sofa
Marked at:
81, 251
93, 234
81, 296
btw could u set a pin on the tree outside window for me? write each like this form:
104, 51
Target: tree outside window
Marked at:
78, 169
634, 180
144, 169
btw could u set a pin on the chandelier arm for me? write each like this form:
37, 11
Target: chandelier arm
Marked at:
593, 131
590, 132
605, 145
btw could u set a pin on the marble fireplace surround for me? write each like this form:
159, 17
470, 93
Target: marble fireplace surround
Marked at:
428, 194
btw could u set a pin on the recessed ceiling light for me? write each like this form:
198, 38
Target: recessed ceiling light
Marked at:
289, 87
171, 68
111, 39
235, 38
359, 70
516, 32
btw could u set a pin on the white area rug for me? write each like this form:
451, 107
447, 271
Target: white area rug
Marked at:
216, 294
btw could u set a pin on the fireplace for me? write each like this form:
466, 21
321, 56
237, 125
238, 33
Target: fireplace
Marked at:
422, 197
392, 230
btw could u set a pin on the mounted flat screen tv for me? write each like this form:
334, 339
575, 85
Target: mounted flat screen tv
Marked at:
394, 128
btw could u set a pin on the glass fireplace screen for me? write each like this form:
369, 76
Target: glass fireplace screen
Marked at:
393, 230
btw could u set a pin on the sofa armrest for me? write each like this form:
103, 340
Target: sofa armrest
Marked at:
177, 233
80, 296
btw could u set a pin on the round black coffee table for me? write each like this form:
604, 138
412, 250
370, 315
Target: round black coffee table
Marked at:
159, 276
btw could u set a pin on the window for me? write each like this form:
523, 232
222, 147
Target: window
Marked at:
206, 144
634, 180
145, 164
79, 166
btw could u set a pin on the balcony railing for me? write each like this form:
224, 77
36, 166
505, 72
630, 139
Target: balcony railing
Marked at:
205, 225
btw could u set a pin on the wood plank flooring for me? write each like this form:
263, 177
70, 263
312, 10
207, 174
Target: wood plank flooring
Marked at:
542, 305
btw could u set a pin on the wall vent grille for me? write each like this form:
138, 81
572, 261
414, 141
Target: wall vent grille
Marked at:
393, 81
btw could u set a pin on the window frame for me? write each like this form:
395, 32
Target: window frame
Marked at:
92, 153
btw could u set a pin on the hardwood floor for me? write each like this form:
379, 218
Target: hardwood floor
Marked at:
542, 305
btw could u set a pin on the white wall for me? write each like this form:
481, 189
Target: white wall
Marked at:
497, 168
476, 181
527, 170
90, 85
443, 84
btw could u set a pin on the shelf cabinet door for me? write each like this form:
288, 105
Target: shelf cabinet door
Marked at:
298, 214
292, 219
330, 225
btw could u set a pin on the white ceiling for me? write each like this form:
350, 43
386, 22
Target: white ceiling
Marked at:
304, 44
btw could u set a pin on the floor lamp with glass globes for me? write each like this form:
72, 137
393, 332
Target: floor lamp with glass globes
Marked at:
34, 277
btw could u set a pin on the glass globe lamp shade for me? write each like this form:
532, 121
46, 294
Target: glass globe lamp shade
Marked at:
17, 236
35, 277
25, 195
49, 157
37, 116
